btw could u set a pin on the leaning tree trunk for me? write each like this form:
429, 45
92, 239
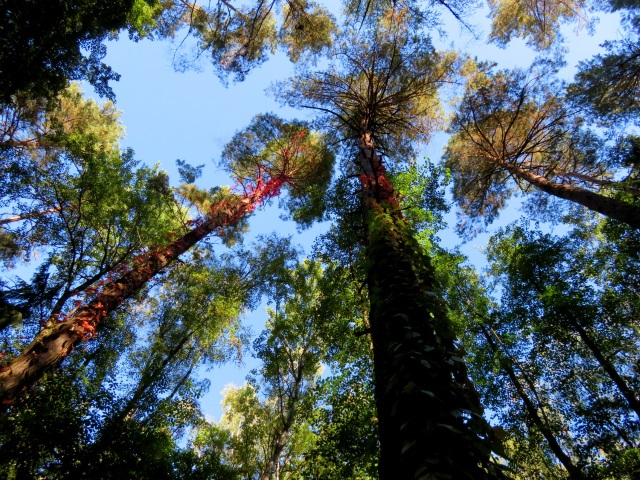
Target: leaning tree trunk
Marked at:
429, 415
26, 216
607, 206
575, 473
625, 389
60, 335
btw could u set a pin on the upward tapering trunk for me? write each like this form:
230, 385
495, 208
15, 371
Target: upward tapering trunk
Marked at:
282, 434
279, 444
429, 415
610, 207
58, 338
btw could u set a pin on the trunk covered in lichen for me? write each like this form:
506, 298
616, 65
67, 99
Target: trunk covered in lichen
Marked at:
429, 414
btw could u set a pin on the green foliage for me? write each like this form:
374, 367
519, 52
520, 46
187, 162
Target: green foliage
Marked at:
493, 121
142, 18
43, 42
56, 416
513, 131
306, 29
537, 22
239, 38
346, 444
266, 429
606, 85
80, 200
122, 408
269, 433
421, 190
564, 328
66, 161
193, 320
205, 202
384, 80
51, 428
207, 459
271, 146
188, 173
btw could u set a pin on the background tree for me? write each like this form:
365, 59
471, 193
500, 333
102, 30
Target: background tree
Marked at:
268, 418
554, 353
126, 407
42, 43
60, 335
513, 130
344, 423
241, 37
537, 22
606, 85
75, 198
48, 44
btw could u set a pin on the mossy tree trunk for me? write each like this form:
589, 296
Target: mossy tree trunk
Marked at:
429, 414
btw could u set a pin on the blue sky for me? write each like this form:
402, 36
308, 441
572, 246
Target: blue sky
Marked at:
170, 115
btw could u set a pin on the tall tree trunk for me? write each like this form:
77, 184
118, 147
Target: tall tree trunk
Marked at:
59, 336
429, 415
278, 446
610, 207
574, 472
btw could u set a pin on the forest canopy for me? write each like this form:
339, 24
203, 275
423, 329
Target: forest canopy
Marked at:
318, 279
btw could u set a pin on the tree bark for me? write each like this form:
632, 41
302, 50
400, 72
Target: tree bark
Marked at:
607, 206
60, 335
429, 415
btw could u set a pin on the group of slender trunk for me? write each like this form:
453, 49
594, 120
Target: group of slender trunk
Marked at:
534, 408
